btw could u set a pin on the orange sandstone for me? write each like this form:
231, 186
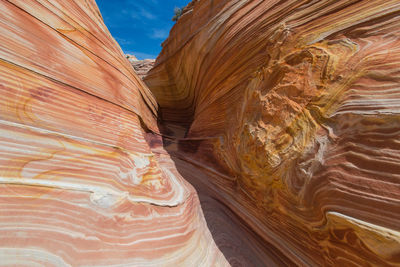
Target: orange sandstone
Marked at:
283, 115
80, 185
289, 113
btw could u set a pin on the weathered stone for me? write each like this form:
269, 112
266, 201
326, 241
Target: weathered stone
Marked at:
290, 111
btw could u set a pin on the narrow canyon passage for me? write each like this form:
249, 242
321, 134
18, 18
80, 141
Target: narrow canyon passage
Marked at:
266, 134
239, 243
291, 114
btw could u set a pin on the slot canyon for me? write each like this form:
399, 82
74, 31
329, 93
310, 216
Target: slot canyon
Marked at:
266, 133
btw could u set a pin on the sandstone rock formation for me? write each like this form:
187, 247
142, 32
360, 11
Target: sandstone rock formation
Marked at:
288, 113
284, 116
142, 67
131, 58
82, 182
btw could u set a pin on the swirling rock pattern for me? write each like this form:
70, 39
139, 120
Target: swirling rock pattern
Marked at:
290, 113
82, 180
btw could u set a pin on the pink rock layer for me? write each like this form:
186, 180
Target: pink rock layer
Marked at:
287, 115
80, 184
284, 116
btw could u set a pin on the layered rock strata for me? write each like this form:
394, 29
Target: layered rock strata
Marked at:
142, 67
286, 114
82, 180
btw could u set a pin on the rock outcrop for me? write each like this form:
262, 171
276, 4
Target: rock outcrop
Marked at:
84, 180
288, 113
131, 58
284, 116
142, 67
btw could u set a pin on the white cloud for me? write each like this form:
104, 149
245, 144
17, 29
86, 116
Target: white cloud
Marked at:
146, 14
159, 34
138, 12
123, 41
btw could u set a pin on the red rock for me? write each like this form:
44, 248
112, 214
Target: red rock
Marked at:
288, 114
80, 184
282, 115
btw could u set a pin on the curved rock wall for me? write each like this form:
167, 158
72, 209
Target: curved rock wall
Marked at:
83, 182
291, 110
283, 114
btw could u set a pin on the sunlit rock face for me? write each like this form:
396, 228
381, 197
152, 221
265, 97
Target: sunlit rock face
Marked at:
83, 181
289, 114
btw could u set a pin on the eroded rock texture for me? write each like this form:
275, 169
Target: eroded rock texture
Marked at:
142, 67
287, 115
284, 115
82, 180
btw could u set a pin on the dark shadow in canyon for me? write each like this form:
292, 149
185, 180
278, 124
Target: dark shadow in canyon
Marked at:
235, 239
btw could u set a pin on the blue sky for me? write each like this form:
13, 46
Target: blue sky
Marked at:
139, 26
